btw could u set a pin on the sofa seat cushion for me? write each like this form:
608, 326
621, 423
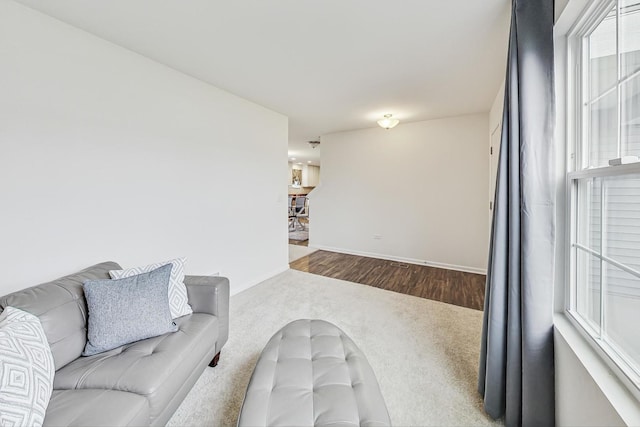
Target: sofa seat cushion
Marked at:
96, 408
154, 368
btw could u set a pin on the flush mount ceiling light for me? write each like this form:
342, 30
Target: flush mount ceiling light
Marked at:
388, 122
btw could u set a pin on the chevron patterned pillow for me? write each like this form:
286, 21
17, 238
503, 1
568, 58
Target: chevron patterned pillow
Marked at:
26, 369
178, 300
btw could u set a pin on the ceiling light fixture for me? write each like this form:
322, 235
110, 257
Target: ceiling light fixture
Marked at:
314, 144
388, 122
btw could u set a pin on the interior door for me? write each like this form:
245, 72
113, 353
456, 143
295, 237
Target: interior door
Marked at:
494, 149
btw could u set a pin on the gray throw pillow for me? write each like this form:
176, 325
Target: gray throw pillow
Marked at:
126, 310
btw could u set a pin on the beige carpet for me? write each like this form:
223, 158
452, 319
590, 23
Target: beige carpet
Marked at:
424, 353
297, 252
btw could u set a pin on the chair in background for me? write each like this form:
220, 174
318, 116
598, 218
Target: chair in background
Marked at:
301, 211
291, 212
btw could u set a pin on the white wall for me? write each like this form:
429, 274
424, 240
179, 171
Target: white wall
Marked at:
579, 402
107, 155
587, 392
495, 114
559, 6
421, 187
495, 133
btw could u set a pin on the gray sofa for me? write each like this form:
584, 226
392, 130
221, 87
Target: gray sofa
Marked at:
137, 384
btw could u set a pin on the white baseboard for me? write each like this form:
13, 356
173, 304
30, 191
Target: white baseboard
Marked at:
244, 286
405, 260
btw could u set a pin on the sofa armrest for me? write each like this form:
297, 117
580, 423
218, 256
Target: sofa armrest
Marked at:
210, 294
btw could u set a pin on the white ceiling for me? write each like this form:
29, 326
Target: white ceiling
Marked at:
329, 65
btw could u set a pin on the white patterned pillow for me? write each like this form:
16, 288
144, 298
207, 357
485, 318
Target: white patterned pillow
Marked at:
26, 369
178, 300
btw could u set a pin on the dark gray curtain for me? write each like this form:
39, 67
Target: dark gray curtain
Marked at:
516, 361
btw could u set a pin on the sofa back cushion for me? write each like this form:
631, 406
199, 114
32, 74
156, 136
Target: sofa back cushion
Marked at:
62, 309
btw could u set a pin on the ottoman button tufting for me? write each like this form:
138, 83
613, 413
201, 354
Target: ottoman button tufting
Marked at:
317, 392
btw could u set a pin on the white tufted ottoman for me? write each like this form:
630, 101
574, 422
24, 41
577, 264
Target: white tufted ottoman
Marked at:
311, 373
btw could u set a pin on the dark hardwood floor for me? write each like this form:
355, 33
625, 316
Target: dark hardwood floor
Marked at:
449, 286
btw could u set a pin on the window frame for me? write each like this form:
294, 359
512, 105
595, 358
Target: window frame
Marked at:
577, 169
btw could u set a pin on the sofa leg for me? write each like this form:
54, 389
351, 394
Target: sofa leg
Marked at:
215, 360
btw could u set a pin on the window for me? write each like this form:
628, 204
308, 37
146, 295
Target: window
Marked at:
604, 87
